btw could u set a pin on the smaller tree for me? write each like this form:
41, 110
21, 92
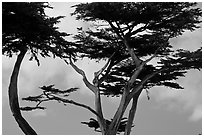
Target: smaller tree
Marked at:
26, 28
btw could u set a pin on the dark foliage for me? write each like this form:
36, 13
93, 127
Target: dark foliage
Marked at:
26, 26
49, 94
148, 27
94, 124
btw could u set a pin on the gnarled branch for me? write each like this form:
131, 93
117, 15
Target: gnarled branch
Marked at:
140, 85
81, 72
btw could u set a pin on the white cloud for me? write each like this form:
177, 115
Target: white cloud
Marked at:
39, 113
186, 101
197, 113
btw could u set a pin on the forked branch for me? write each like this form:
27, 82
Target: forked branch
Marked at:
81, 72
132, 113
98, 73
140, 85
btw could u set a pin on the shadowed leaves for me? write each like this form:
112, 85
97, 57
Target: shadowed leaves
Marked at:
94, 124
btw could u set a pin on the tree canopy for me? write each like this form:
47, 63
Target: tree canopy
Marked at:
130, 35
26, 26
147, 27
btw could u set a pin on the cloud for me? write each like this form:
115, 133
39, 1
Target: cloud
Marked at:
197, 113
31, 76
39, 113
186, 101
189, 40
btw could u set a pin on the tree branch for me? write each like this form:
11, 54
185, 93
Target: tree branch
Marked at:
136, 73
99, 111
13, 97
111, 64
132, 113
140, 85
125, 41
140, 67
139, 29
81, 72
96, 91
96, 74
75, 103
136, 60
129, 28
120, 111
116, 30
155, 53
120, 30
106, 73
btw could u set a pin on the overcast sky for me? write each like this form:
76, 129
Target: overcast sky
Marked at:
167, 112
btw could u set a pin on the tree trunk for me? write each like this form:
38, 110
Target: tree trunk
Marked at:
132, 113
112, 130
13, 97
98, 108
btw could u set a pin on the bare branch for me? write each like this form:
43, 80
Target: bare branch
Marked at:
82, 105
106, 73
41, 101
96, 74
132, 53
96, 91
81, 72
74, 103
140, 85
136, 73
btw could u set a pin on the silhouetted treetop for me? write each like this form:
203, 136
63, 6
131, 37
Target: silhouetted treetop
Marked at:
146, 27
167, 17
25, 26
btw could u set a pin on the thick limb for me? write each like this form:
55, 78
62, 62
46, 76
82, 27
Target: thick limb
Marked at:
132, 113
13, 97
119, 113
96, 92
98, 108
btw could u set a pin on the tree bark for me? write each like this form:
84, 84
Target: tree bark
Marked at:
98, 108
13, 97
112, 130
132, 113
